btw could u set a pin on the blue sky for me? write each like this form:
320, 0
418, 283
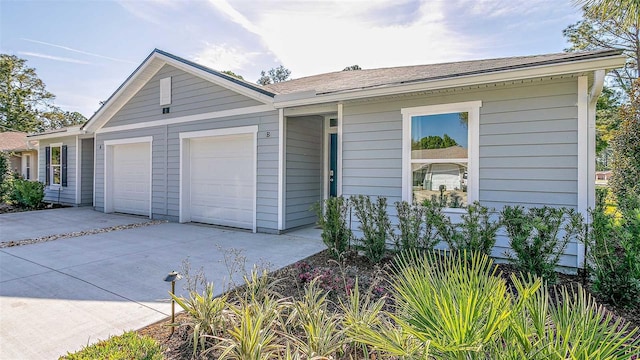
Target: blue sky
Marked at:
83, 50
439, 125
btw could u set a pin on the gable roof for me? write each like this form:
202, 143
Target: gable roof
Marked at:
13, 141
150, 66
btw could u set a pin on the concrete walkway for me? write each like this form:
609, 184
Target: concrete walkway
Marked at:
61, 295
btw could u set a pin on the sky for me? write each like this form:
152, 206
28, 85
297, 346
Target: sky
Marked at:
84, 49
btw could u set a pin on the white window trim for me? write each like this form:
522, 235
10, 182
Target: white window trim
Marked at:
51, 184
27, 164
108, 169
470, 107
185, 163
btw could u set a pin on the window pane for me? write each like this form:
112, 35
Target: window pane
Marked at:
55, 155
56, 175
445, 183
442, 136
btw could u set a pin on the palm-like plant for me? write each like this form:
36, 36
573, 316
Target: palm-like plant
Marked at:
457, 307
627, 11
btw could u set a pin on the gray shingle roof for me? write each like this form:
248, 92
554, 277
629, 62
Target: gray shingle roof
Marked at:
362, 79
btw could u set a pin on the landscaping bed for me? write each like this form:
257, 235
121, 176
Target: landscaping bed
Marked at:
335, 277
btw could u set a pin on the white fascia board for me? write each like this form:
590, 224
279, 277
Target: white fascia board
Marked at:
217, 80
60, 134
573, 67
126, 91
189, 118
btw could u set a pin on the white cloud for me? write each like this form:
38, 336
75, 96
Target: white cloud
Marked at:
315, 37
52, 57
77, 51
223, 57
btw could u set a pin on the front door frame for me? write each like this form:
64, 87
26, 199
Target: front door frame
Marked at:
328, 130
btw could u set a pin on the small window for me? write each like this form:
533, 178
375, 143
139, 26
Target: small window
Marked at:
333, 122
56, 165
27, 167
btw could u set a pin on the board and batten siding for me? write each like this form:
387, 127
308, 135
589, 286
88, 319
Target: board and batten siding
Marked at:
166, 164
59, 194
528, 146
86, 172
303, 169
190, 95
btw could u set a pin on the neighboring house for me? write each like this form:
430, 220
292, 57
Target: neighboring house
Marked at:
602, 177
23, 153
180, 141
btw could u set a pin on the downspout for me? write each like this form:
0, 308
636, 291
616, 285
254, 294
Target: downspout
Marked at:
594, 94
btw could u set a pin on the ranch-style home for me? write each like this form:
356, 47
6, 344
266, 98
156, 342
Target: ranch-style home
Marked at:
182, 142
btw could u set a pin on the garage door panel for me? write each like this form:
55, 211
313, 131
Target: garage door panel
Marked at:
222, 180
131, 178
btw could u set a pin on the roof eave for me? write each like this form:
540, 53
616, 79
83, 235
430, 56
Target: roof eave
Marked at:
569, 67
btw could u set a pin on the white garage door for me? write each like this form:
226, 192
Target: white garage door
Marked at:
222, 180
131, 178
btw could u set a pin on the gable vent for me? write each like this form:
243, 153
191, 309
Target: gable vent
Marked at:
165, 91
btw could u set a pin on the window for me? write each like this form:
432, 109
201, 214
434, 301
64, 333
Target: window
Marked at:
56, 165
440, 154
27, 167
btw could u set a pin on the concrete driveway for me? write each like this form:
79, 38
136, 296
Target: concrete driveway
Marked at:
60, 295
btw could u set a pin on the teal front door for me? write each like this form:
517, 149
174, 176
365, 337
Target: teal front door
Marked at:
333, 165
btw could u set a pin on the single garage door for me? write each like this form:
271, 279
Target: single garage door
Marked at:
222, 180
131, 178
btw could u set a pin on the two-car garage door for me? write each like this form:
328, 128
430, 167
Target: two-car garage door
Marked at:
221, 180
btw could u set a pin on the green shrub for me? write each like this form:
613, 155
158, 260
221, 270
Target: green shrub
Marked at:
535, 237
614, 253
5, 173
477, 232
124, 347
27, 194
415, 231
374, 224
332, 217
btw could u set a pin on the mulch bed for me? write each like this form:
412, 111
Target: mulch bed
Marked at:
369, 276
8, 208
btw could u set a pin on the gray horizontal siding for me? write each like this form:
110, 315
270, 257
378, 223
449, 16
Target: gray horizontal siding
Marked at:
528, 145
303, 169
86, 172
65, 194
189, 95
166, 164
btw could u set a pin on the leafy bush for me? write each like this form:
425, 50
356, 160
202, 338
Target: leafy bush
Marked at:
374, 224
5, 173
25, 193
124, 347
534, 237
415, 231
614, 253
332, 217
477, 232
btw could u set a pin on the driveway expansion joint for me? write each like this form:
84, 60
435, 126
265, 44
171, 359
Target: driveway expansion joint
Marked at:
13, 243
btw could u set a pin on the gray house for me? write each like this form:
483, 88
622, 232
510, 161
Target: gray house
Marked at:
182, 142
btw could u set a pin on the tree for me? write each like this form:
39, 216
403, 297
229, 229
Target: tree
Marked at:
434, 142
628, 11
594, 32
57, 118
275, 75
231, 73
25, 104
23, 96
625, 180
607, 122
352, 67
